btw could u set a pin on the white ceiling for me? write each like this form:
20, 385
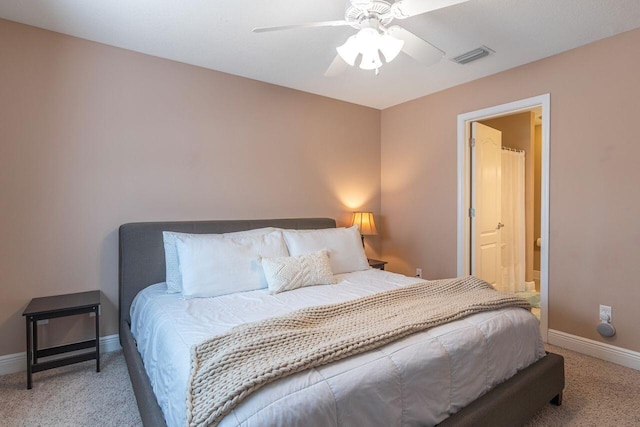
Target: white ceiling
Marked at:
217, 34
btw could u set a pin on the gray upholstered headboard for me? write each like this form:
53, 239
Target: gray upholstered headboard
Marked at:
142, 248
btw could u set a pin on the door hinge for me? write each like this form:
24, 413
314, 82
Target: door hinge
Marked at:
472, 212
472, 142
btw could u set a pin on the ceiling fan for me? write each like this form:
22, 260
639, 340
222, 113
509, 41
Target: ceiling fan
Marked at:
372, 18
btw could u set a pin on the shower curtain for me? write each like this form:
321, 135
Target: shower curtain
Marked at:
513, 232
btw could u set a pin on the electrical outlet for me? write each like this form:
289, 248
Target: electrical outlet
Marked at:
419, 272
605, 313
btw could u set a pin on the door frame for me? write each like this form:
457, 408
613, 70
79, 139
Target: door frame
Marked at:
464, 190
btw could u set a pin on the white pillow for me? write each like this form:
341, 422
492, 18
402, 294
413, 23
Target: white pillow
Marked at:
344, 246
288, 273
172, 264
217, 265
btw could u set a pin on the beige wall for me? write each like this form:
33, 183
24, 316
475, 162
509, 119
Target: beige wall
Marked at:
518, 133
594, 207
93, 137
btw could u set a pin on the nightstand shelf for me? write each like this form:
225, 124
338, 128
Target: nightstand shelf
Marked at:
377, 263
60, 306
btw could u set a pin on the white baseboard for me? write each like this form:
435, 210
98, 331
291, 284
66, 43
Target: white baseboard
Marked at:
13, 363
17, 362
601, 350
110, 343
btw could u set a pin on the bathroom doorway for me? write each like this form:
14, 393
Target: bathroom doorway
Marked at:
517, 170
503, 199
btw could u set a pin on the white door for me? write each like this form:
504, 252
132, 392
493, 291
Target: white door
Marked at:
486, 185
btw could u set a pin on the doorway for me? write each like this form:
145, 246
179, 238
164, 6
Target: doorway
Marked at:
480, 220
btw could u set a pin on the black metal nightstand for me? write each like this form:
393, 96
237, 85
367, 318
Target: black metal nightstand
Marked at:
376, 263
60, 306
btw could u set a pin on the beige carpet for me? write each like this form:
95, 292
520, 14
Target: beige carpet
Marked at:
597, 393
71, 396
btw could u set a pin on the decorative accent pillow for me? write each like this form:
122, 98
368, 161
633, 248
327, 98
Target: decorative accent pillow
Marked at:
288, 273
172, 267
344, 246
212, 266
172, 264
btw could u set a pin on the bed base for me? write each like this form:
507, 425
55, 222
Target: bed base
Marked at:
150, 411
511, 403
516, 400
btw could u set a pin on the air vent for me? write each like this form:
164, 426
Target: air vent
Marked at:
472, 55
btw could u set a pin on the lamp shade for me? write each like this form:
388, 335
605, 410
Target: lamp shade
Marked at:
365, 223
370, 61
390, 46
349, 51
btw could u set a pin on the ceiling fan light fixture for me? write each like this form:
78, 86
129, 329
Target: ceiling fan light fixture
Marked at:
370, 61
390, 47
368, 38
349, 51
369, 42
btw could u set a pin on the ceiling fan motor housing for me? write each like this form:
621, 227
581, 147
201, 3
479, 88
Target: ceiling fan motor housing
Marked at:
362, 13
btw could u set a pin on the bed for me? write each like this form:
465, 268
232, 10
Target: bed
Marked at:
142, 263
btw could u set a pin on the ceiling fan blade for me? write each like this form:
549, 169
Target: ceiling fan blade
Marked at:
360, 4
408, 8
417, 48
338, 66
308, 25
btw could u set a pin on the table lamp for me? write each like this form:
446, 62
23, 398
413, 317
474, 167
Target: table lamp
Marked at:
365, 223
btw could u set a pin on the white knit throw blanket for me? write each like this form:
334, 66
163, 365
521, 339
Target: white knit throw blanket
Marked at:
227, 368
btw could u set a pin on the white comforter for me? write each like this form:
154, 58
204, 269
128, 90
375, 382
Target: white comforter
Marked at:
420, 379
